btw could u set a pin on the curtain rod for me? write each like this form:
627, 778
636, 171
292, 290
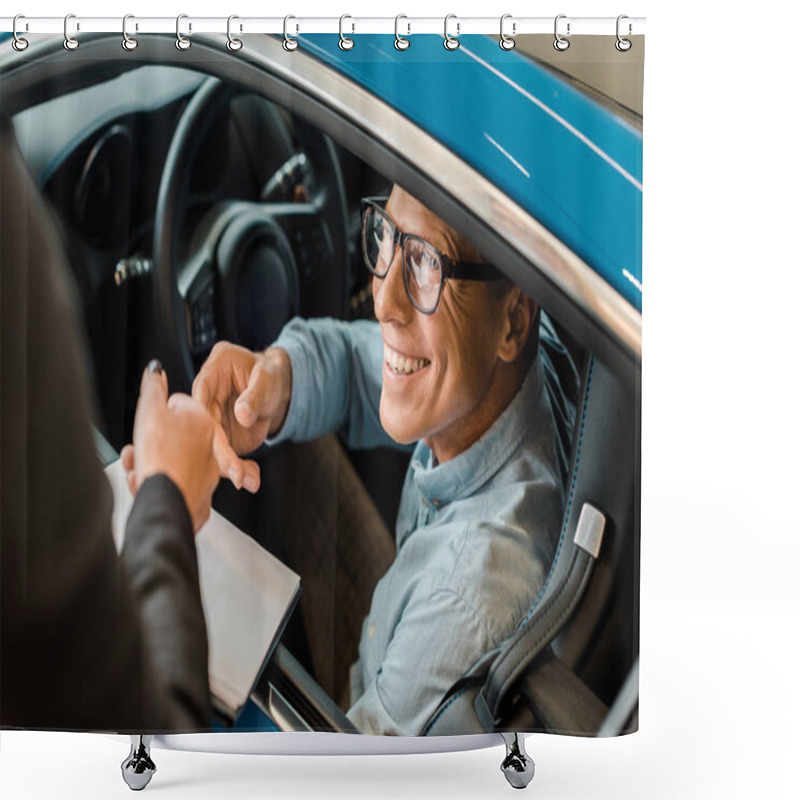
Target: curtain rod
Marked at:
403, 25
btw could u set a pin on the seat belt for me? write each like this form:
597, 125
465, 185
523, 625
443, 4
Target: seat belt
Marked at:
592, 510
555, 606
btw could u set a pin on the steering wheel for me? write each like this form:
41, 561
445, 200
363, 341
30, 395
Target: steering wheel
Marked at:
249, 266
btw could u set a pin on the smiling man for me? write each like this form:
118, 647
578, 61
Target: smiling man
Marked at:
461, 365
452, 361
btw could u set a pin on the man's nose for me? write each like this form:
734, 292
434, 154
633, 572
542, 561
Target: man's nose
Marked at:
389, 293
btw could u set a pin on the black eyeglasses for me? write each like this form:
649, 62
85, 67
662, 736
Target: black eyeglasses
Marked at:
425, 269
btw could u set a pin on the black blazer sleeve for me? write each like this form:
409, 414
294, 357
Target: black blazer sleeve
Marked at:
88, 640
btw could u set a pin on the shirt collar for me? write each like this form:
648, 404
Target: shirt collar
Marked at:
468, 471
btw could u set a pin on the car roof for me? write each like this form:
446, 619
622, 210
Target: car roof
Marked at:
507, 115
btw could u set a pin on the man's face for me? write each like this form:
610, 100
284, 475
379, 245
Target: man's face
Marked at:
438, 369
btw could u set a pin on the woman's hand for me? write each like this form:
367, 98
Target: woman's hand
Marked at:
173, 436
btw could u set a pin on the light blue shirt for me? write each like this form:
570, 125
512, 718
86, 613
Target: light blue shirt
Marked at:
475, 535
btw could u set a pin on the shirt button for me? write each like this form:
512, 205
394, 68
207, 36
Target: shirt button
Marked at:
371, 631
436, 503
425, 501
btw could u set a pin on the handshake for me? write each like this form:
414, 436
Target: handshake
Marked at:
238, 398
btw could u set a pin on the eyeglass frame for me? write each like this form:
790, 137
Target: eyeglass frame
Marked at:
451, 268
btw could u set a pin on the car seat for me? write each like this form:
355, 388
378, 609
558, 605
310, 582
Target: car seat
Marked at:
578, 645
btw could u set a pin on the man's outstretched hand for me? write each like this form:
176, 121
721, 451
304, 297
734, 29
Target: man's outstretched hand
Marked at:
248, 396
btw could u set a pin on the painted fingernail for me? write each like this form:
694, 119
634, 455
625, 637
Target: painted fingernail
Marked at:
155, 367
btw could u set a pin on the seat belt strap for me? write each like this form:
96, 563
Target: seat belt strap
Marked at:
555, 608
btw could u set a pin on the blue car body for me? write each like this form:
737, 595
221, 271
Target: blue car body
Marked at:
506, 115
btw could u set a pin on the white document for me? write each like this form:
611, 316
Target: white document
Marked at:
247, 597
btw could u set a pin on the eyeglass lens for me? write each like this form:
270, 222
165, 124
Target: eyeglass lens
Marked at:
422, 266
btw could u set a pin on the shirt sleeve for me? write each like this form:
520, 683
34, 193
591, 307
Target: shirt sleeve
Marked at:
336, 381
437, 640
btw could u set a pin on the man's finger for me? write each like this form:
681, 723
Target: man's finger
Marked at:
228, 463
252, 476
216, 411
213, 382
249, 405
201, 388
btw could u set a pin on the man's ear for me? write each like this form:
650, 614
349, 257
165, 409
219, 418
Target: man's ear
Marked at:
519, 316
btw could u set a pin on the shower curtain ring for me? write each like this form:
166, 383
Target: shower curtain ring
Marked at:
128, 42
233, 44
450, 42
289, 44
623, 45
560, 43
345, 42
400, 42
181, 41
70, 42
507, 42
19, 43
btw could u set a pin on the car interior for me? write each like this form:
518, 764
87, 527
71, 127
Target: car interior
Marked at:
197, 206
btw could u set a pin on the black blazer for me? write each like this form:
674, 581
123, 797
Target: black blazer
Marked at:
88, 640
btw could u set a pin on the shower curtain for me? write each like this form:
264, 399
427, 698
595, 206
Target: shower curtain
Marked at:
391, 286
